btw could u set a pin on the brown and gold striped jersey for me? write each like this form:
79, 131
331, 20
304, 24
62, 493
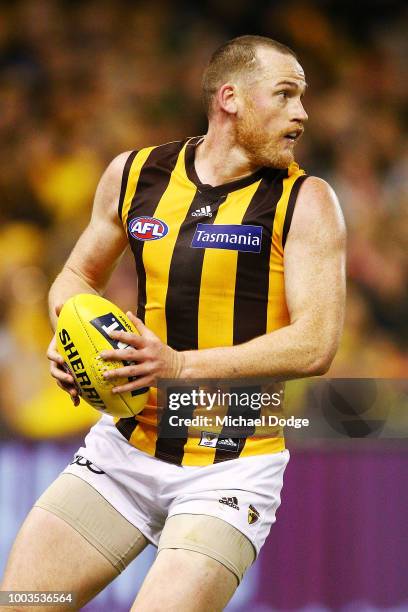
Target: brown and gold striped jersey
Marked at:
209, 263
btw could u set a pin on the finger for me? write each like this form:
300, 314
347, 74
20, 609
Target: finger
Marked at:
53, 343
53, 355
145, 381
65, 387
138, 323
67, 384
75, 400
127, 338
127, 372
121, 355
61, 375
71, 390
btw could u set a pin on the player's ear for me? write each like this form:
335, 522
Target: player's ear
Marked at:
227, 98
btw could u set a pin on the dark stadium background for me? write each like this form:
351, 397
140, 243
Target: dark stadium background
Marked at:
81, 82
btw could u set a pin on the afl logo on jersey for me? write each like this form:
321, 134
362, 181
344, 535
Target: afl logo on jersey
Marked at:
147, 228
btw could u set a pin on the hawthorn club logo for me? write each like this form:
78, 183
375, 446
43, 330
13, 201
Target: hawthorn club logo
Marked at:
253, 515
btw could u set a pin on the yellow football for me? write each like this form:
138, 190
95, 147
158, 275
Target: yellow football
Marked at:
83, 329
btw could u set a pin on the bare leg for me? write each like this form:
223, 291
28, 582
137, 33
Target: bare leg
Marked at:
49, 555
185, 581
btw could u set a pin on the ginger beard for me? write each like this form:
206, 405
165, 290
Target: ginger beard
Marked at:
262, 148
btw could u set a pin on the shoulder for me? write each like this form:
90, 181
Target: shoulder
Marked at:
313, 185
317, 208
316, 195
109, 186
118, 164
115, 168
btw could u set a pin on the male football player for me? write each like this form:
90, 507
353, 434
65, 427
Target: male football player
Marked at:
240, 265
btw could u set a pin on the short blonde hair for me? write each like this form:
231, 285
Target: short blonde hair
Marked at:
234, 56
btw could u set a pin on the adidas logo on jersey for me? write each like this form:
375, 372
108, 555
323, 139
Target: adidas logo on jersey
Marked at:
232, 502
214, 440
227, 442
204, 211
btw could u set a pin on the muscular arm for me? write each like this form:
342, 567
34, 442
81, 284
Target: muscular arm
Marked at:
314, 263
99, 248
91, 262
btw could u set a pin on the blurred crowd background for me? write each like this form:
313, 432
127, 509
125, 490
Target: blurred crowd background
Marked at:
81, 82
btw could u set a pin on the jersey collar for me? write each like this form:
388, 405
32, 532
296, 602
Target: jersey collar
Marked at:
219, 189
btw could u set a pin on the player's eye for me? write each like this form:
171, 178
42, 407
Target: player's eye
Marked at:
283, 94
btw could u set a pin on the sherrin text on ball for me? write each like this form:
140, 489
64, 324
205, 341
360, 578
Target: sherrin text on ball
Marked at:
83, 331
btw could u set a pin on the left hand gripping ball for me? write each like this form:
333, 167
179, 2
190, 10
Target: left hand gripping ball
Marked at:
82, 332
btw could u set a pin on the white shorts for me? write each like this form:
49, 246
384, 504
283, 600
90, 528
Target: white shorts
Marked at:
244, 492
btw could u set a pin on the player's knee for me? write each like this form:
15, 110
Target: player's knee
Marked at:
201, 584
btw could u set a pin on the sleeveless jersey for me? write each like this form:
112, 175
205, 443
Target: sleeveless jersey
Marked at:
209, 264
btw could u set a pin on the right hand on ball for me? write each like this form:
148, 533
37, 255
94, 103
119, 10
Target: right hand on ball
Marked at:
64, 379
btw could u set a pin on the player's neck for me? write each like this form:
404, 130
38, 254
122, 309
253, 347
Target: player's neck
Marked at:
218, 160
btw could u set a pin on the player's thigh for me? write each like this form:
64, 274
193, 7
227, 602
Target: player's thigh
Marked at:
49, 555
185, 581
200, 563
72, 540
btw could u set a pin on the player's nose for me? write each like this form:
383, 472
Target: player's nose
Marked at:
298, 113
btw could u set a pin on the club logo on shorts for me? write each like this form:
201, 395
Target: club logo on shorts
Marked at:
247, 238
147, 228
253, 515
213, 440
